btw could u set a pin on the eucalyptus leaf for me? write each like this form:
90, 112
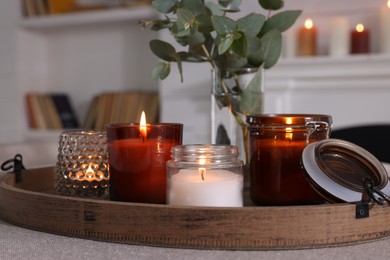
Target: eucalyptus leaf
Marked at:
225, 44
204, 24
164, 6
239, 46
271, 4
214, 8
223, 25
251, 97
271, 48
251, 24
196, 39
163, 50
196, 6
281, 21
230, 3
231, 6
185, 22
161, 71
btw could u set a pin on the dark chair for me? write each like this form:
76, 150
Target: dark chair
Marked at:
373, 138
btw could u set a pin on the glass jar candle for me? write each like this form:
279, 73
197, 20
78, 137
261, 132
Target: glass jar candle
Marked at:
205, 175
138, 155
276, 146
82, 165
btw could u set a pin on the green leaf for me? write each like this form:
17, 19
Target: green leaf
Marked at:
281, 21
161, 71
204, 24
214, 9
239, 45
254, 45
251, 24
225, 44
196, 6
185, 16
163, 50
223, 25
252, 97
271, 4
271, 48
196, 39
231, 6
185, 22
164, 6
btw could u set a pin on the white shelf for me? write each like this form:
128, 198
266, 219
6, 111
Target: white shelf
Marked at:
90, 17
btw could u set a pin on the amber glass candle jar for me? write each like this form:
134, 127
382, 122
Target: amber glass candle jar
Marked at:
276, 144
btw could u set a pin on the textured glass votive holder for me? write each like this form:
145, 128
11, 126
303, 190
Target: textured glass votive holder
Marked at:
82, 165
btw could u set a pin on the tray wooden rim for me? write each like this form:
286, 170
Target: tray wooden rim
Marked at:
247, 228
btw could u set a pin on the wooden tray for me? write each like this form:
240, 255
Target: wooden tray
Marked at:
33, 204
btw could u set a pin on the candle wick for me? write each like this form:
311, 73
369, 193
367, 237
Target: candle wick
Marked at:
202, 170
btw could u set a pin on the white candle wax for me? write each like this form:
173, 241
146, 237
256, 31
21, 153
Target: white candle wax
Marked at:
385, 30
339, 37
289, 44
220, 188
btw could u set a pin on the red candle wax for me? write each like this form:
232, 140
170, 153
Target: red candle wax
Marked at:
276, 174
307, 39
138, 169
137, 164
360, 40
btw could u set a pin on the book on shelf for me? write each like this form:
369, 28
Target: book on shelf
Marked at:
121, 107
50, 111
34, 8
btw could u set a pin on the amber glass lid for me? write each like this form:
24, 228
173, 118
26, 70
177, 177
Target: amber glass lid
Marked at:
337, 169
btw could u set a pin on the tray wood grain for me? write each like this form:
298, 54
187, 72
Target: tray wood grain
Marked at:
33, 204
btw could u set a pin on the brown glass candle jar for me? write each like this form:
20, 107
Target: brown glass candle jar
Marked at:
276, 144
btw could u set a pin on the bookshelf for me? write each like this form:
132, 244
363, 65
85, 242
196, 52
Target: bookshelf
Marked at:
98, 17
81, 54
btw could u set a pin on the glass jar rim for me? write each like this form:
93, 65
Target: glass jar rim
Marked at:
209, 153
275, 121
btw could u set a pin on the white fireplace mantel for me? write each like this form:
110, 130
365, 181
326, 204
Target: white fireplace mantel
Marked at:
355, 90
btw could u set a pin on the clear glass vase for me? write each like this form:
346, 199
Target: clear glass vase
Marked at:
236, 93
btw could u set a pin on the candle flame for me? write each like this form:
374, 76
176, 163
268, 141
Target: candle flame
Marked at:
388, 3
202, 160
142, 125
89, 172
309, 23
360, 27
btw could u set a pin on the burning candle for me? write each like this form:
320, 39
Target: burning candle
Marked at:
205, 175
385, 28
360, 40
307, 39
276, 144
82, 166
137, 156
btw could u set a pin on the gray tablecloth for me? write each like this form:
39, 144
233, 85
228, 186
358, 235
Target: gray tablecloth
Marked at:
21, 243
